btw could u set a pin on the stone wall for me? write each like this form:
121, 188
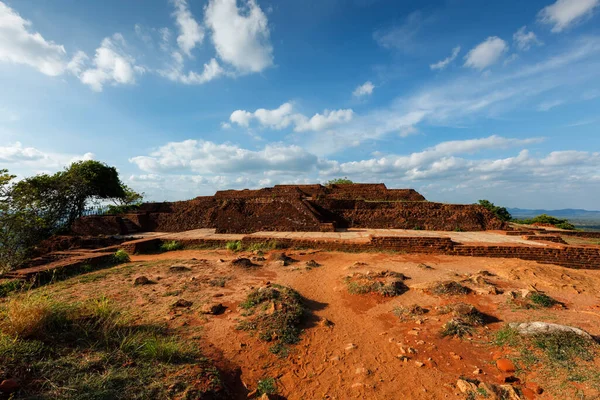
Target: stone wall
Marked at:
409, 215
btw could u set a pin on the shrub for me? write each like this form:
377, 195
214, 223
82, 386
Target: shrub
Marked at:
340, 181
500, 212
275, 312
542, 300
451, 288
121, 257
545, 219
234, 246
386, 283
266, 386
171, 246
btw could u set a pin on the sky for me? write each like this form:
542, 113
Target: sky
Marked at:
458, 99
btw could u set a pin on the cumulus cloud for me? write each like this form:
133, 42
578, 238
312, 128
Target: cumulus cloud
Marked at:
24, 158
486, 53
284, 116
20, 45
565, 13
207, 157
524, 40
190, 32
175, 72
444, 63
111, 65
366, 89
241, 36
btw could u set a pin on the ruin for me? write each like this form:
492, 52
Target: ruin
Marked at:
297, 208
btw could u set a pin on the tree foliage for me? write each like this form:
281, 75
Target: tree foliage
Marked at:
545, 219
500, 212
340, 181
36, 207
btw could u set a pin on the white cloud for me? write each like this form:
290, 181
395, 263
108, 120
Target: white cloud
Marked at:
206, 157
284, 116
486, 53
21, 46
444, 63
524, 40
212, 70
24, 160
190, 32
550, 104
364, 89
111, 65
402, 37
241, 35
564, 13
321, 122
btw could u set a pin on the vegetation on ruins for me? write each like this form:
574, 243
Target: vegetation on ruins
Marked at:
34, 208
500, 212
234, 246
386, 283
340, 181
42, 341
275, 312
130, 201
563, 356
171, 246
545, 219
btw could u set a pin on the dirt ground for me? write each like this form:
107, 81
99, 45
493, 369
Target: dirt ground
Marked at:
367, 352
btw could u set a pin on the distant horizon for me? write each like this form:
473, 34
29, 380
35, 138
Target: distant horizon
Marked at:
458, 100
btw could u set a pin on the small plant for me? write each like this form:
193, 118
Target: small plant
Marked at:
386, 283
413, 311
456, 328
465, 318
120, 257
171, 246
234, 246
218, 282
275, 312
450, 288
266, 386
265, 246
542, 300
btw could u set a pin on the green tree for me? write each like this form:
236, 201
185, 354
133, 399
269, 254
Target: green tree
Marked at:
36, 207
500, 212
340, 181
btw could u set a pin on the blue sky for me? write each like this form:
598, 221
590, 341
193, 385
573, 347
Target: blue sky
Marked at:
455, 99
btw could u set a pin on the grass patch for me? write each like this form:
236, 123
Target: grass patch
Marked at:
450, 288
275, 313
120, 257
234, 246
266, 386
465, 318
92, 350
171, 246
385, 283
542, 300
563, 358
413, 311
219, 281
266, 246
10, 286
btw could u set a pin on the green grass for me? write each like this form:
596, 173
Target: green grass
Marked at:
275, 313
267, 386
234, 246
542, 300
92, 350
171, 246
265, 246
561, 357
120, 257
10, 286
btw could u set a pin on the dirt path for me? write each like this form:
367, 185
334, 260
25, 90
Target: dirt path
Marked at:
360, 356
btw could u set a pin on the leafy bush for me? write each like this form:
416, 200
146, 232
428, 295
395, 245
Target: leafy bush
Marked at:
545, 219
121, 257
171, 246
500, 212
266, 386
340, 181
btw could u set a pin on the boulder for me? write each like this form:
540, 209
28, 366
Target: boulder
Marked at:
545, 328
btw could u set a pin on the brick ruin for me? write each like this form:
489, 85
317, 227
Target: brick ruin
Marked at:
307, 208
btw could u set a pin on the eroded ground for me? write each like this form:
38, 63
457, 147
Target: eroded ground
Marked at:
367, 351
